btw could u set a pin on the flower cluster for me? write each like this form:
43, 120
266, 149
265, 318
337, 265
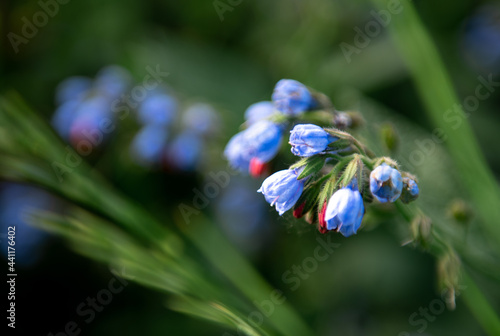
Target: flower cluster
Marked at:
84, 114
336, 176
154, 145
88, 108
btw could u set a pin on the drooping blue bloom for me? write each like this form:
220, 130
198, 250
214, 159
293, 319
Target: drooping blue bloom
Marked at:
185, 151
15, 202
158, 109
410, 190
72, 88
64, 116
92, 122
112, 81
201, 118
242, 214
261, 141
386, 183
259, 111
292, 97
481, 40
309, 139
235, 152
149, 144
345, 210
282, 189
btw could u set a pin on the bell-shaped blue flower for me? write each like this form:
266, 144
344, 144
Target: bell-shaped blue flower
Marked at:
186, 151
235, 152
201, 118
148, 145
386, 183
282, 189
345, 210
260, 141
292, 97
309, 139
259, 111
410, 190
158, 109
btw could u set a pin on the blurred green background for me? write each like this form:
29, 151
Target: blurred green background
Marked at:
231, 57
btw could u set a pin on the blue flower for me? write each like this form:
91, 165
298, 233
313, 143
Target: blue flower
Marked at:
64, 116
16, 201
345, 210
148, 145
92, 122
201, 118
386, 183
282, 189
259, 111
185, 151
112, 81
157, 108
261, 141
235, 152
410, 190
309, 139
292, 97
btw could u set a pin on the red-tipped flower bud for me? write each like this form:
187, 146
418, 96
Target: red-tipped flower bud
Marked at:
257, 168
298, 212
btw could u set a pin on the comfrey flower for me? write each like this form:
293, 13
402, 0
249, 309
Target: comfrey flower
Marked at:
282, 189
148, 145
309, 139
201, 118
112, 81
259, 111
386, 183
345, 210
410, 190
185, 152
292, 97
158, 109
260, 142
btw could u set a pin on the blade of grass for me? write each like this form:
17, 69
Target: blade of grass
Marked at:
230, 263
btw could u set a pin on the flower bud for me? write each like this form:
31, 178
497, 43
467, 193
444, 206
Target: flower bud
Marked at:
157, 109
345, 210
298, 212
309, 139
292, 97
257, 168
386, 183
460, 211
262, 141
322, 225
282, 189
410, 190
259, 111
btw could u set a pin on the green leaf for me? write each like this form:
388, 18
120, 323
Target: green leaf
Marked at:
314, 165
